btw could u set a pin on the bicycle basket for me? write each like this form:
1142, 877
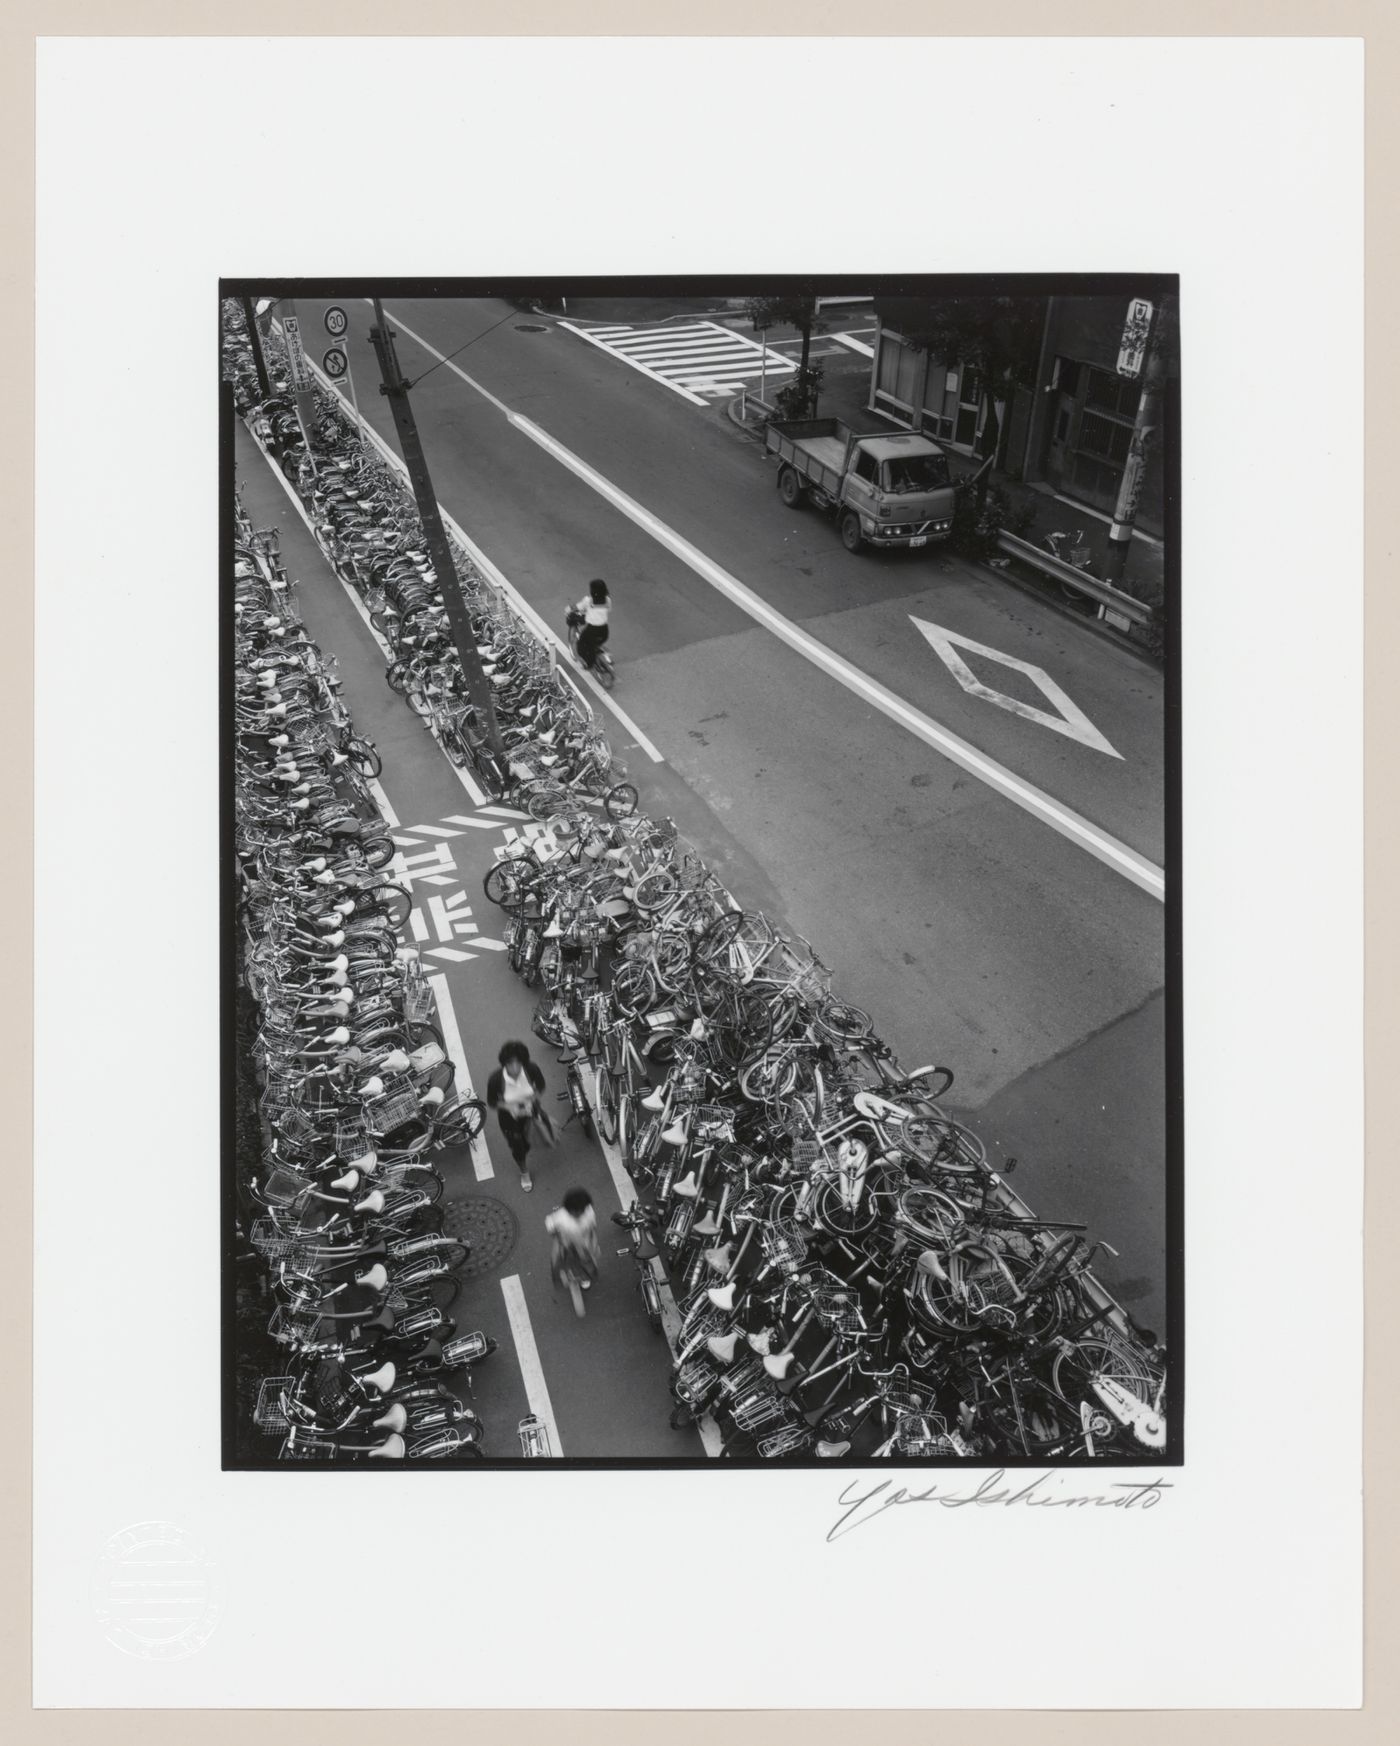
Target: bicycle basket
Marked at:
790, 1440
283, 1185
268, 1415
350, 1140
806, 1153
304, 1447
418, 1002
783, 1245
272, 1242
397, 1104
837, 1309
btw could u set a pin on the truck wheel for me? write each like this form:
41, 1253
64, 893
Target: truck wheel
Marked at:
850, 532
789, 487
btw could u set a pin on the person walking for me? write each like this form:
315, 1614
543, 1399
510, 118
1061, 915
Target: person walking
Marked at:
596, 607
573, 1252
514, 1091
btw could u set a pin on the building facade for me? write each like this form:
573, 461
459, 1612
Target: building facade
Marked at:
1069, 432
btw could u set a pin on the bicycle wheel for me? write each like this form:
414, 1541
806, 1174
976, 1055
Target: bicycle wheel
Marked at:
621, 800
546, 801
459, 1121
377, 851
770, 1076
607, 1105
670, 960
392, 902
840, 1020
439, 1293
654, 890
508, 882
633, 988
364, 755
711, 950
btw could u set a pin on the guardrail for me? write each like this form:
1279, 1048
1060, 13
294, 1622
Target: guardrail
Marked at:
1118, 608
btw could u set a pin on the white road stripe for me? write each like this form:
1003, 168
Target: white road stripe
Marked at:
419, 926
381, 800
438, 911
432, 831
528, 1357
684, 393
1114, 854
478, 557
452, 1042
451, 954
496, 812
490, 945
844, 339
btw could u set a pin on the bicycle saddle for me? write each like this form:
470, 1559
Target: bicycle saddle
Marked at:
722, 1296
832, 1451
371, 1087
761, 1342
687, 1188
432, 1097
396, 1061
721, 1346
654, 1100
393, 1448
674, 1135
709, 1226
396, 1419
381, 1379
372, 1203
721, 1259
778, 1367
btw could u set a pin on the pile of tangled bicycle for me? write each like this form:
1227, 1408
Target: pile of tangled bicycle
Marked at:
356, 1090
850, 1276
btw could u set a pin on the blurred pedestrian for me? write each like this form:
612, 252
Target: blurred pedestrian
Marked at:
573, 1251
514, 1091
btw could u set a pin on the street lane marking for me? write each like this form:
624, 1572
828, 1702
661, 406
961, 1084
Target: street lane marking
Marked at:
845, 339
419, 926
479, 558
381, 800
527, 1356
1071, 719
675, 387
495, 811
702, 357
452, 955
452, 1042
1076, 829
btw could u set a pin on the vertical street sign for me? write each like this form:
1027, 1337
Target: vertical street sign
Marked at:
1133, 346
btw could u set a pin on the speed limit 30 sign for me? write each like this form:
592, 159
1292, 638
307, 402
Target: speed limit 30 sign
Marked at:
336, 321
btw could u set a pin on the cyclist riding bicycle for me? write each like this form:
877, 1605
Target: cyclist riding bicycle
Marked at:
592, 613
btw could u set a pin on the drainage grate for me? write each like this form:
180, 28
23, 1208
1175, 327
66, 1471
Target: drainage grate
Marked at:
529, 327
488, 1225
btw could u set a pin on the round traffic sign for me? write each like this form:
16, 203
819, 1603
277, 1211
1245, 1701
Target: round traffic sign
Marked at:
336, 321
335, 363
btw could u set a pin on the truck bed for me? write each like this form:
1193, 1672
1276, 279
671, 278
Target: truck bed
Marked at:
829, 451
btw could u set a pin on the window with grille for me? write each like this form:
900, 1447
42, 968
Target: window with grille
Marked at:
1104, 438
1112, 394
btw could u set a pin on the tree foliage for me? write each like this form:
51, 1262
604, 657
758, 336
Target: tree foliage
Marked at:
788, 311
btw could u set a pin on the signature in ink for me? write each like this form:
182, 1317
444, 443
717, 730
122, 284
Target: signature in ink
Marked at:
860, 1507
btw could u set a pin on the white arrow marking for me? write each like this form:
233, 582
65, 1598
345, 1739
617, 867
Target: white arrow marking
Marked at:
1071, 719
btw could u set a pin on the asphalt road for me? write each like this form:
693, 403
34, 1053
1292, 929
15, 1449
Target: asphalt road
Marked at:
977, 935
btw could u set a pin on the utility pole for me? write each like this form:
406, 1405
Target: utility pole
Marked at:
1120, 535
259, 363
463, 636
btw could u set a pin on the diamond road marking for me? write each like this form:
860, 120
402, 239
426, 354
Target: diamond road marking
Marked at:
1070, 719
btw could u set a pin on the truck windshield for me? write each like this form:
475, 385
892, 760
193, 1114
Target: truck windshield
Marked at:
916, 473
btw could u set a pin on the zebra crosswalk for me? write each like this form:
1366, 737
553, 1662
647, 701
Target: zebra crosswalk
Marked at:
695, 358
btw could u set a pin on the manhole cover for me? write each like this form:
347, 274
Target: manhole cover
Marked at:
488, 1225
530, 327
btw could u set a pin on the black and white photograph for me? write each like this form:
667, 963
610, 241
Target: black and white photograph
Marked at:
700, 789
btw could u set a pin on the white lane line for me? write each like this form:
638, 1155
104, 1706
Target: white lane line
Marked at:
381, 800
1078, 830
495, 811
452, 1042
631, 363
844, 339
527, 1355
627, 1194
479, 558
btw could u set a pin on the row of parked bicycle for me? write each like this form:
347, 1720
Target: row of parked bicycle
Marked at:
356, 1091
851, 1274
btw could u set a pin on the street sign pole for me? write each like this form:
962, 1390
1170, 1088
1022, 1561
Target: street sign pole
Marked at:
393, 386
359, 422
1138, 353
